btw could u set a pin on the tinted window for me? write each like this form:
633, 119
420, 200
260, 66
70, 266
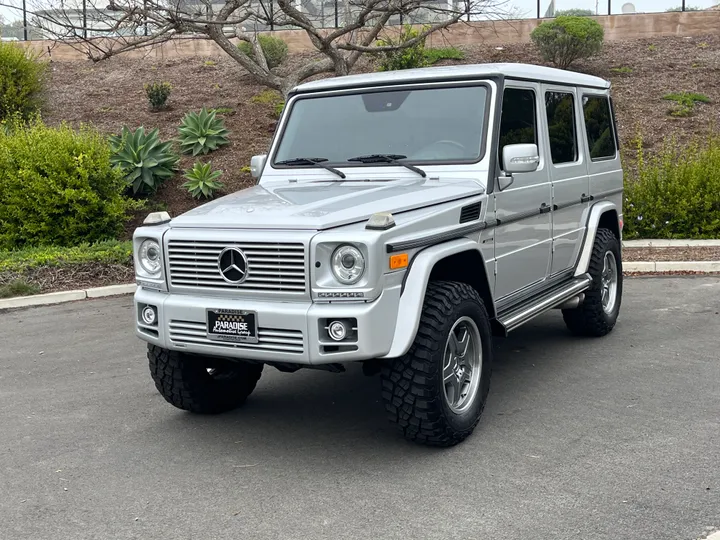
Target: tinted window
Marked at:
561, 127
438, 124
599, 128
518, 119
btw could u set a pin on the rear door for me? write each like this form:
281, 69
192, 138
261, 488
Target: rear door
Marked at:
568, 173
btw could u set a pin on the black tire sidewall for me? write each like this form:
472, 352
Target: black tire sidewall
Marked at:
609, 243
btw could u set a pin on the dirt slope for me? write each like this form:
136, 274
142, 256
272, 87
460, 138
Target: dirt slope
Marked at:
110, 94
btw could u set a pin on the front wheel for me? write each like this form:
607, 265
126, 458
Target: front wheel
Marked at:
436, 393
201, 384
597, 315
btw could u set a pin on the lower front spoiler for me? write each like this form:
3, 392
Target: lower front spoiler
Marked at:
291, 333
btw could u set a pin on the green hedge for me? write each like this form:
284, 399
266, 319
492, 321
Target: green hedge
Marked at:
675, 193
57, 187
109, 252
566, 39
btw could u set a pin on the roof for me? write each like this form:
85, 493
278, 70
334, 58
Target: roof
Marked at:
464, 72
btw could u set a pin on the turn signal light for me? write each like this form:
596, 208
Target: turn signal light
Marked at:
398, 261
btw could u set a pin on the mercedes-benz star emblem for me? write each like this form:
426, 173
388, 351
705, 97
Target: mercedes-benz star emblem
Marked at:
233, 265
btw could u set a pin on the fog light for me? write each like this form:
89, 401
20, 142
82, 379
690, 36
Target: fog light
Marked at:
337, 331
148, 315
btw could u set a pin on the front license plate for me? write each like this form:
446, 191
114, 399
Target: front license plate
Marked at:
232, 325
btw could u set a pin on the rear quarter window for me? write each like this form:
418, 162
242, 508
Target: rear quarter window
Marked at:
599, 127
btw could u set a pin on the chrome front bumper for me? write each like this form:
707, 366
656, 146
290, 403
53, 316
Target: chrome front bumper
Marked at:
289, 332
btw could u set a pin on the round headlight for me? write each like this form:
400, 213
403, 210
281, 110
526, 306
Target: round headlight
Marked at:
348, 265
149, 257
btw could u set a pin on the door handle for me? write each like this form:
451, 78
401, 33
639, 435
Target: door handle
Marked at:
586, 198
544, 208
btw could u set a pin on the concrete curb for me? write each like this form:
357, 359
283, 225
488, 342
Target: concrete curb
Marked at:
672, 266
66, 296
670, 243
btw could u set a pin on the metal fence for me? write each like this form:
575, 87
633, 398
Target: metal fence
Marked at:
21, 21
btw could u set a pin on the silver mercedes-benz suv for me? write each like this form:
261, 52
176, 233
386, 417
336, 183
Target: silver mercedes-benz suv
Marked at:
400, 220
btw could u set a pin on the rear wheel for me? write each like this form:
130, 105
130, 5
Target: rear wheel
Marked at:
202, 384
597, 315
436, 393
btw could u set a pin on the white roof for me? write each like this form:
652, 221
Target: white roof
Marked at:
464, 72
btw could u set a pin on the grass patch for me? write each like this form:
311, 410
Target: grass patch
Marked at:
623, 70
18, 287
685, 102
222, 110
109, 252
442, 53
267, 97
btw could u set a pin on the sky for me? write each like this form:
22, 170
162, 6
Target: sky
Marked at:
529, 7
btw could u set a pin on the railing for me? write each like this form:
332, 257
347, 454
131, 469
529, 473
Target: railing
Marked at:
22, 21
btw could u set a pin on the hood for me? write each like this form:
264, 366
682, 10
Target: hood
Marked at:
322, 205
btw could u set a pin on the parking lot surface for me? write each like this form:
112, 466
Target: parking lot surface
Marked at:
608, 438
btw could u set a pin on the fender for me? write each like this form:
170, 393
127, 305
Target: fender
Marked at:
596, 212
411, 301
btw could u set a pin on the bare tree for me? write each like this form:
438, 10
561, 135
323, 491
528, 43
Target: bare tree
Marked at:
125, 25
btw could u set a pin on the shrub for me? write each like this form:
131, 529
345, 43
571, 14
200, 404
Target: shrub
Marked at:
274, 48
143, 160
443, 53
202, 132
409, 57
202, 180
58, 186
22, 81
566, 39
575, 12
158, 94
675, 193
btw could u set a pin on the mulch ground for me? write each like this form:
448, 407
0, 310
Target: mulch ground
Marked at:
71, 277
672, 254
110, 94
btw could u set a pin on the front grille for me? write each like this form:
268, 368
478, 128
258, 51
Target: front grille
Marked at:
269, 339
273, 267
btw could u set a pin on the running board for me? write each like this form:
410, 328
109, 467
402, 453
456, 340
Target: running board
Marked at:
548, 300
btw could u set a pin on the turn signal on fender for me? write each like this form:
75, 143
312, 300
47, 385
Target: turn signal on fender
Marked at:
398, 261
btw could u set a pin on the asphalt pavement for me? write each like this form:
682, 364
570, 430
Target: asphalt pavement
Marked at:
613, 438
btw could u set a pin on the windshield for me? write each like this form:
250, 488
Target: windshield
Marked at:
425, 125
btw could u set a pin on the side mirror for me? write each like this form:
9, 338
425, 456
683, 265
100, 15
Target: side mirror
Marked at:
520, 158
257, 164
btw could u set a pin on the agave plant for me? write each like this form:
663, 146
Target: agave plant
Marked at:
145, 161
202, 180
202, 132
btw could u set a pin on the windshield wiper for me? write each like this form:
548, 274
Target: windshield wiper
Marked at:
392, 159
315, 161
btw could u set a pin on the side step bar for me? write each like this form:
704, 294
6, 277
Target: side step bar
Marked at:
548, 300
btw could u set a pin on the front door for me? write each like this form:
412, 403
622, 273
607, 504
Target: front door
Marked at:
523, 237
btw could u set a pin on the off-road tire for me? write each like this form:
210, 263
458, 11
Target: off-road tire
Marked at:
590, 319
184, 380
412, 385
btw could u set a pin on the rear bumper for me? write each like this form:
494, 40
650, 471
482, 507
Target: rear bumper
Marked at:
287, 332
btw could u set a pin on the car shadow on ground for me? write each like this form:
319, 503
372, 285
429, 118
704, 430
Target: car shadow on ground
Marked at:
319, 408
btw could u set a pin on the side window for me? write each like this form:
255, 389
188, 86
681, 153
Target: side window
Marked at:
518, 124
599, 128
560, 108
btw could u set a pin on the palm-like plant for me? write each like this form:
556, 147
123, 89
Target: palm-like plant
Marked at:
145, 161
202, 132
202, 180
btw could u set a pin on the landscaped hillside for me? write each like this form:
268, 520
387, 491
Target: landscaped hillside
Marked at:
110, 94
